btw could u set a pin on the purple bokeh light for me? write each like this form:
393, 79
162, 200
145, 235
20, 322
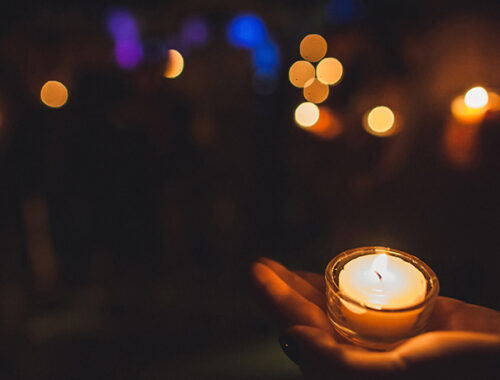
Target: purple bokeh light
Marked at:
121, 24
128, 53
123, 27
194, 31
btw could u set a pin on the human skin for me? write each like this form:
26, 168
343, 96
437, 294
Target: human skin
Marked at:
462, 340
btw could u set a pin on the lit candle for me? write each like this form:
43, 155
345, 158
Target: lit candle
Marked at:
379, 280
378, 296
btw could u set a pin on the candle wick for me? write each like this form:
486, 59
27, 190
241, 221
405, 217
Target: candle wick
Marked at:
379, 275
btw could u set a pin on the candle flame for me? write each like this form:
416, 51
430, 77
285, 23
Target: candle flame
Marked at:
379, 265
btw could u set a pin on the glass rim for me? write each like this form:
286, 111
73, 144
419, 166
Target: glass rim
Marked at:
343, 258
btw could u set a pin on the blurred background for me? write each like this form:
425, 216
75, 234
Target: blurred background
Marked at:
149, 151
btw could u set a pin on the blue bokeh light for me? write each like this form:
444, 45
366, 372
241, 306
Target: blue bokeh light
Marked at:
246, 30
266, 57
341, 12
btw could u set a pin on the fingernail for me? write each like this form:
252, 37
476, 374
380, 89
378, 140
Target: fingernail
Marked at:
289, 347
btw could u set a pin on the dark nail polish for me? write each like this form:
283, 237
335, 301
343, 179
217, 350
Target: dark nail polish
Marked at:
290, 347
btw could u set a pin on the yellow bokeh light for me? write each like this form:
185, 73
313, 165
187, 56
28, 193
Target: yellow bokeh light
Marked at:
175, 64
306, 114
465, 114
313, 47
315, 91
380, 121
54, 94
300, 73
476, 97
329, 71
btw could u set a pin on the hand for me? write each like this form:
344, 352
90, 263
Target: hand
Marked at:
463, 340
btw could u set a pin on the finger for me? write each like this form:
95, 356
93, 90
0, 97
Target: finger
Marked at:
296, 282
319, 353
315, 279
290, 307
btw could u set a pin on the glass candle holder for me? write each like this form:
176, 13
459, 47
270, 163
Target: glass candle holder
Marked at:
373, 319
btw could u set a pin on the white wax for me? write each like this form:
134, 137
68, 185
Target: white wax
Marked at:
382, 281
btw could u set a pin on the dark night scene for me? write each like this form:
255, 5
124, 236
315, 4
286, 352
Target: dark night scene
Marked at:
249, 189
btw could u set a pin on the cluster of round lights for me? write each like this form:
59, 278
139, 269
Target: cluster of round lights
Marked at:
315, 83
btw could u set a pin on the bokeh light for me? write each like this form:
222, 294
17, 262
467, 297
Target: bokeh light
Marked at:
128, 53
266, 57
476, 97
342, 12
300, 73
380, 121
328, 125
306, 114
313, 47
315, 91
123, 28
194, 31
246, 30
465, 114
493, 101
54, 94
460, 143
175, 64
121, 24
329, 71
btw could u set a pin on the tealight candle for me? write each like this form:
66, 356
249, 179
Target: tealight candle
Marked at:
379, 296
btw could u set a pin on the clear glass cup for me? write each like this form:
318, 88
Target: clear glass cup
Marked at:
378, 328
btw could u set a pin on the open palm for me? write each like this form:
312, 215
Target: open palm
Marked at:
462, 341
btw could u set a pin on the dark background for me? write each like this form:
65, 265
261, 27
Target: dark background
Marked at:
129, 217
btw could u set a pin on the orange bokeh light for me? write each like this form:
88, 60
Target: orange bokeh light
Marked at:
315, 91
313, 47
493, 101
465, 114
175, 64
460, 143
329, 71
328, 125
54, 94
300, 73
380, 121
